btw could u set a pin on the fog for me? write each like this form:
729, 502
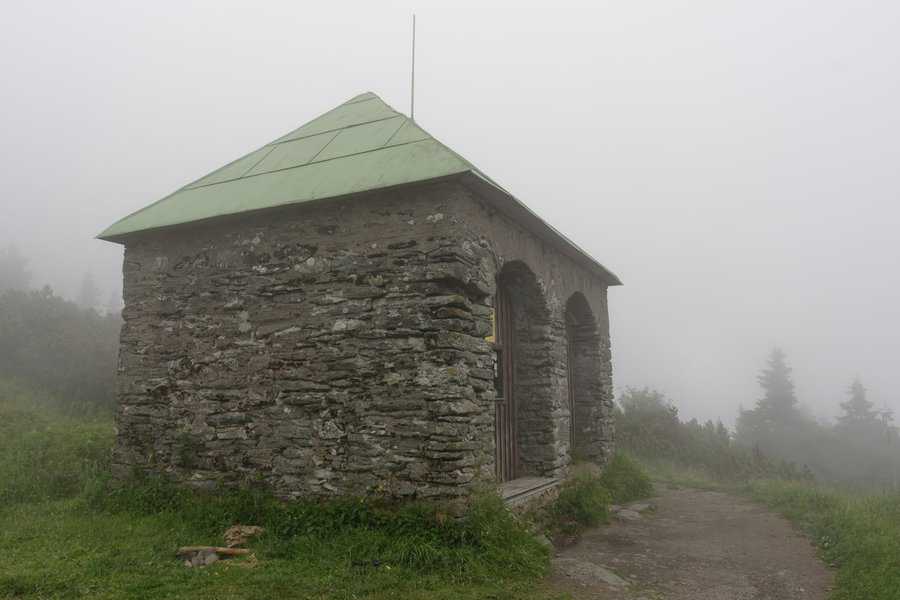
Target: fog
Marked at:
736, 164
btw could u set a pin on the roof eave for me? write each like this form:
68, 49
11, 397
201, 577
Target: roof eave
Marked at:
122, 238
485, 188
518, 211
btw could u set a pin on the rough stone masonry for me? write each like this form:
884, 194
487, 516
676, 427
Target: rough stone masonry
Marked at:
343, 347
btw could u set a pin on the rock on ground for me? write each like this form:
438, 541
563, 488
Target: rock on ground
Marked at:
587, 573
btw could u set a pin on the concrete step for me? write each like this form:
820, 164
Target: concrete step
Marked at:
519, 491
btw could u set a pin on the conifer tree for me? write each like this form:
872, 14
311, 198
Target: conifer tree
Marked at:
859, 411
779, 402
777, 408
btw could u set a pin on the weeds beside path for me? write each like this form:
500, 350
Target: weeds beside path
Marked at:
856, 532
859, 535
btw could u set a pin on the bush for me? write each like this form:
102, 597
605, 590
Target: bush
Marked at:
583, 502
625, 480
584, 497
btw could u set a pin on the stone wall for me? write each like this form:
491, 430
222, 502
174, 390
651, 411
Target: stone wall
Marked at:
335, 348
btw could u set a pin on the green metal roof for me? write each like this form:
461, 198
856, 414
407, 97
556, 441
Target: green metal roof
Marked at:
359, 146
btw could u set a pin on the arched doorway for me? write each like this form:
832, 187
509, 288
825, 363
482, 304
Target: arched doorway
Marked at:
584, 376
524, 430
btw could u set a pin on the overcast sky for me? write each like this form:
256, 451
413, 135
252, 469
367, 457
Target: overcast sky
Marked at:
735, 163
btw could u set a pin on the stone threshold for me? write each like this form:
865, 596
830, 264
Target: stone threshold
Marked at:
522, 490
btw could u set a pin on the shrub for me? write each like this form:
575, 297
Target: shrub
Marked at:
625, 480
582, 502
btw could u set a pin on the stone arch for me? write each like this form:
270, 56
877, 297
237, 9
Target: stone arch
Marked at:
525, 418
585, 379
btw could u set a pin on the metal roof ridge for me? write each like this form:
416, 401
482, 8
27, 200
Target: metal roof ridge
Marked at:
280, 141
331, 110
306, 164
352, 101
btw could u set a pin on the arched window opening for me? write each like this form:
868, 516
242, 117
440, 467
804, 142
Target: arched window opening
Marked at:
584, 376
524, 426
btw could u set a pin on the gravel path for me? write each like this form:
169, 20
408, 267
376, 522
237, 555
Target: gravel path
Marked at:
693, 545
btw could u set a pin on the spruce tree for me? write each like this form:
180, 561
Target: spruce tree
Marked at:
779, 402
859, 411
776, 410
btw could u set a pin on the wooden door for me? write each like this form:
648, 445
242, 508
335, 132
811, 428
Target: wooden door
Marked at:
505, 414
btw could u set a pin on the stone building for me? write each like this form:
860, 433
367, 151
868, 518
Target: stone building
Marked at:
355, 307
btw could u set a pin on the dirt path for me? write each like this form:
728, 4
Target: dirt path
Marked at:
695, 545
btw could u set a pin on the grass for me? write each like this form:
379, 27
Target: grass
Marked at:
61, 550
46, 455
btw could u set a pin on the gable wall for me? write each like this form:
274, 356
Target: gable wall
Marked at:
337, 348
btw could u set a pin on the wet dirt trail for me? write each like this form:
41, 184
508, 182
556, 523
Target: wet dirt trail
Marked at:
693, 545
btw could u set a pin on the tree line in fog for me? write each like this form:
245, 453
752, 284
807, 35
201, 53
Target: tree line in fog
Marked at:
773, 438
68, 349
